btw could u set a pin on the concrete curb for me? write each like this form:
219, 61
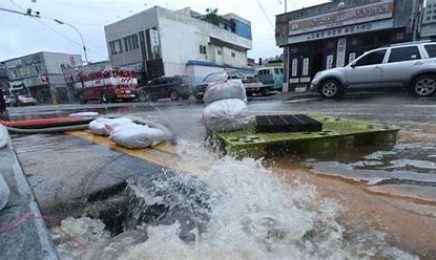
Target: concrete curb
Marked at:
24, 233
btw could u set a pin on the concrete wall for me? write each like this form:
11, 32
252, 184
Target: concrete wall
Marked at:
132, 25
52, 63
180, 39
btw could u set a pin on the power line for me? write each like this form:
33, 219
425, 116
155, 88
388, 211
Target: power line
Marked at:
264, 13
54, 30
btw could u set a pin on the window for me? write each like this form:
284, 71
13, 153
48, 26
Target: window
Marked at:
404, 54
131, 42
202, 49
219, 52
372, 58
233, 54
115, 47
431, 50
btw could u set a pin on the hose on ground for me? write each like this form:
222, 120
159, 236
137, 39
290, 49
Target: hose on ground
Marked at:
49, 130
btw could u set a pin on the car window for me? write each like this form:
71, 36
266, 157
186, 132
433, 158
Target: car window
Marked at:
372, 58
278, 71
213, 77
404, 54
431, 50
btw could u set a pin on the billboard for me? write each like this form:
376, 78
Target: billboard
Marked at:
346, 17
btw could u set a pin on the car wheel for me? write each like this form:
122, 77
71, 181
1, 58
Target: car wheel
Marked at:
264, 91
104, 98
330, 88
82, 100
424, 86
199, 98
142, 97
174, 95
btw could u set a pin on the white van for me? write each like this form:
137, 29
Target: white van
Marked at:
271, 76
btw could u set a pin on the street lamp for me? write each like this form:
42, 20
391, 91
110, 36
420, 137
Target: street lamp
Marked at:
81, 37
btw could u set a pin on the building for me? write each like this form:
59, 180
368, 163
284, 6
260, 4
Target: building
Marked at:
160, 42
41, 74
427, 28
335, 33
4, 79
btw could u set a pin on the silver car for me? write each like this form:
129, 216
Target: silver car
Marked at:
407, 65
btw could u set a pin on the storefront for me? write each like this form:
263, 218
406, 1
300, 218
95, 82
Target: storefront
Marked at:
334, 34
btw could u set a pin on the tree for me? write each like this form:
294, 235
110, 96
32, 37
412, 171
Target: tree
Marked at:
212, 16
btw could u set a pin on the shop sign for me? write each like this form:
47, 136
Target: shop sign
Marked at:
330, 61
340, 52
342, 31
361, 14
352, 57
429, 15
294, 68
305, 66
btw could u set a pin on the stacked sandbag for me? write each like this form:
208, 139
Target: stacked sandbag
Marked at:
226, 108
233, 89
226, 115
4, 192
4, 136
124, 132
98, 126
4, 189
135, 136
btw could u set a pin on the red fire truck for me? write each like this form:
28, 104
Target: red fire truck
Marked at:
107, 86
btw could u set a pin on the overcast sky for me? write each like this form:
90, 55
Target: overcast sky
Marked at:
22, 35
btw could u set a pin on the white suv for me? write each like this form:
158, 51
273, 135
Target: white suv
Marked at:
409, 65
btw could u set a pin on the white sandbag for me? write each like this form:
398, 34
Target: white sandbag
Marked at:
84, 114
4, 192
233, 88
136, 136
98, 126
4, 136
226, 115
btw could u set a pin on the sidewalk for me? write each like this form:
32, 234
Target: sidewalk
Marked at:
23, 233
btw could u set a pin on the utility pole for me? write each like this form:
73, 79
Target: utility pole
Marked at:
81, 37
27, 13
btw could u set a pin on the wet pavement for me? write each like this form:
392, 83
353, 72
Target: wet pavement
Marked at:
65, 170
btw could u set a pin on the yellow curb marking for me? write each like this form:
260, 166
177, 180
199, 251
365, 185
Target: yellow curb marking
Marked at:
161, 154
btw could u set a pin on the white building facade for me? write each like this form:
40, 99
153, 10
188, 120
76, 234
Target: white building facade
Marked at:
163, 42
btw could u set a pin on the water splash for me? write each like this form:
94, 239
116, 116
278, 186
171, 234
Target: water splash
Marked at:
252, 213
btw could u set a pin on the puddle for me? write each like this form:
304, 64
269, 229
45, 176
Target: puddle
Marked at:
412, 165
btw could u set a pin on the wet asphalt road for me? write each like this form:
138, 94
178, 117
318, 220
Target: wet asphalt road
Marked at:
44, 161
395, 108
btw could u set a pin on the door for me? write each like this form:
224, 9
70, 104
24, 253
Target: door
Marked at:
366, 71
402, 63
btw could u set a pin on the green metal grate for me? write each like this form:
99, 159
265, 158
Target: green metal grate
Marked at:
336, 133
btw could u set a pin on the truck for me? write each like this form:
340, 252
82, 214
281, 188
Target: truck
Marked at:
106, 85
251, 84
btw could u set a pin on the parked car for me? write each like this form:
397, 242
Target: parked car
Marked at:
20, 100
410, 65
173, 87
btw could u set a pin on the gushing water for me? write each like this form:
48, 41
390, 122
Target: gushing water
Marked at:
239, 210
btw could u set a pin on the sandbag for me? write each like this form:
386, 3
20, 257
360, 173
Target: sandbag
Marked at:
230, 89
136, 136
4, 136
4, 192
84, 114
226, 115
98, 126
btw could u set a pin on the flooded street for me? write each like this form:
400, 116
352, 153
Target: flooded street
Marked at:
366, 203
